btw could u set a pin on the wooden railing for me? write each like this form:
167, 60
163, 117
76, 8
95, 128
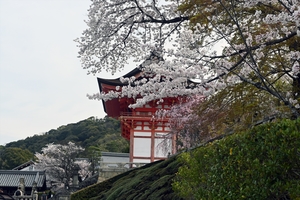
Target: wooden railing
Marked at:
138, 113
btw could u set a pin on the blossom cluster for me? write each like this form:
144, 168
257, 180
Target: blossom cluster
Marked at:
205, 47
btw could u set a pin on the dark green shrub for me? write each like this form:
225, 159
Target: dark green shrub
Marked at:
262, 163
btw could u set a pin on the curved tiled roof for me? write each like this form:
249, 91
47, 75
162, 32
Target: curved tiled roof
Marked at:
22, 166
117, 81
11, 178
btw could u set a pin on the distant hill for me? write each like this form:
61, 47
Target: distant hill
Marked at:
104, 133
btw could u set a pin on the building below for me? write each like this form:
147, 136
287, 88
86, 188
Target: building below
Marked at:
22, 183
112, 164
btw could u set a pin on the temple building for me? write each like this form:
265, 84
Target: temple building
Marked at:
22, 183
148, 136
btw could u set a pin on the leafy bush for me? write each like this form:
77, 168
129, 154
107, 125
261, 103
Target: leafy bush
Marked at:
261, 163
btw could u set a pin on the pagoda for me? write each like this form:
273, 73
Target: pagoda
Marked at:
148, 136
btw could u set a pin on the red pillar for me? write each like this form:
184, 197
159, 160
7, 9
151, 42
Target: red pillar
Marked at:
152, 143
131, 145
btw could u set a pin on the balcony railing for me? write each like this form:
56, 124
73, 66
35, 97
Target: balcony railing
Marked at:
138, 113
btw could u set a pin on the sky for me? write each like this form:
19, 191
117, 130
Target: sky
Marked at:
42, 84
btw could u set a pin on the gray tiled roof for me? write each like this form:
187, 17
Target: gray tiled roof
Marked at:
22, 166
11, 178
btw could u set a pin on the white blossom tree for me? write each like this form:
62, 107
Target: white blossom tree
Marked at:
215, 43
185, 123
59, 162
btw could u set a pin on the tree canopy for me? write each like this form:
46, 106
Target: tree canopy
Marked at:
60, 164
103, 134
85, 133
215, 44
12, 157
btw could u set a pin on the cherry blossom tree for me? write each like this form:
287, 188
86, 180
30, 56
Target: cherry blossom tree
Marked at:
185, 123
60, 162
214, 43
197, 119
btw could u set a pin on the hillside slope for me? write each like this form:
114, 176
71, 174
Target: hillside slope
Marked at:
103, 134
85, 133
152, 181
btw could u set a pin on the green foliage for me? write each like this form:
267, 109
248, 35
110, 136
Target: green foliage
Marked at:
88, 132
152, 181
236, 108
112, 143
104, 134
11, 157
261, 163
94, 155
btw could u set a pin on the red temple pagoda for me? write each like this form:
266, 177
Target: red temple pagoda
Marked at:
148, 136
